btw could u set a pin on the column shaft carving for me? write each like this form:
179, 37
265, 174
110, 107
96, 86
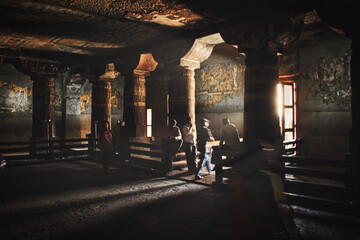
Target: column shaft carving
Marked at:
140, 104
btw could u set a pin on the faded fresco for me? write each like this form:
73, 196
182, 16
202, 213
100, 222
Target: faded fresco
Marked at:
220, 87
85, 97
117, 96
15, 91
331, 80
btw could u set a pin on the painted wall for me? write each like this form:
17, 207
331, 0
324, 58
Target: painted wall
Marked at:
15, 104
220, 88
324, 93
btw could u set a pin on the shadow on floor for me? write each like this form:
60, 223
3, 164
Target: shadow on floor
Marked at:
70, 200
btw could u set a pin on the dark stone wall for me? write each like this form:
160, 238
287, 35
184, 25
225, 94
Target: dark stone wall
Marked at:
324, 94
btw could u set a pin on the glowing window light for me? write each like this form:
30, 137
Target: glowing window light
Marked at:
149, 122
286, 108
288, 95
289, 123
280, 104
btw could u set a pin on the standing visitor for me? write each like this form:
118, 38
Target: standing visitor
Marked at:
189, 137
106, 147
204, 136
171, 143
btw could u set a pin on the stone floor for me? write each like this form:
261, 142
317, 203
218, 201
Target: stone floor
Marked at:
70, 200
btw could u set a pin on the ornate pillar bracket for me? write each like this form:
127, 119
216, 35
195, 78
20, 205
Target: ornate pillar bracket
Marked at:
181, 77
110, 73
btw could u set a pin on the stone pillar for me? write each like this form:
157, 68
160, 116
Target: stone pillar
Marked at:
101, 99
43, 107
260, 115
181, 83
353, 166
135, 106
355, 97
140, 103
43, 75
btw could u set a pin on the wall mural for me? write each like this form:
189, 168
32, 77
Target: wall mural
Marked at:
220, 83
331, 80
85, 102
16, 97
85, 97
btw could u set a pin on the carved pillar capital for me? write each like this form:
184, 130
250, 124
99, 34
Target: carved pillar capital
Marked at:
110, 73
140, 76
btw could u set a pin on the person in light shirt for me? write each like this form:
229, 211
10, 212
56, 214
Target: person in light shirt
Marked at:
189, 144
229, 136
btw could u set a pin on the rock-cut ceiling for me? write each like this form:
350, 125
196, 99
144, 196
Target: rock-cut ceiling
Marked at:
78, 30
